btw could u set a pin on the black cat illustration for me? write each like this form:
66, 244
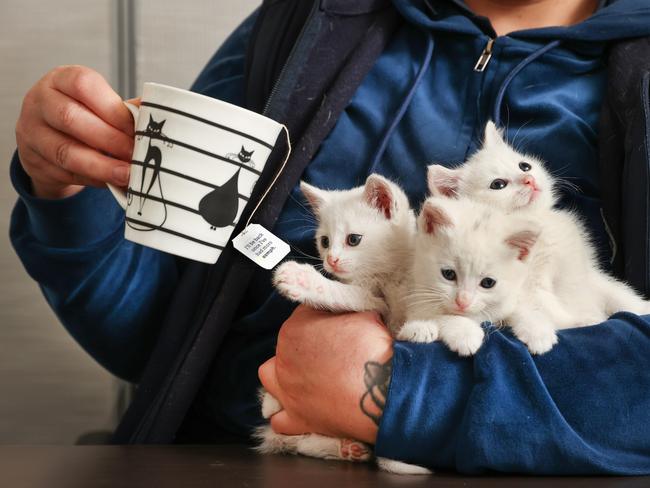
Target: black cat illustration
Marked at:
219, 207
243, 156
153, 160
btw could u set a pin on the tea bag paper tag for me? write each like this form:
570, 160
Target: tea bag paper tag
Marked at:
261, 246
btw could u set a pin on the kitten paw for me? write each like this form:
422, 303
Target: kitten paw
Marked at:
464, 338
354, 451
270, 405
268, 442
296, 280
538, 341
418, 331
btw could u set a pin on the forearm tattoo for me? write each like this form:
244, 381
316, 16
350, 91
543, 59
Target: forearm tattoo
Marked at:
376, 378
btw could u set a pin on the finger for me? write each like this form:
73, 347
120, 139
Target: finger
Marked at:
72, 156
92, 90
134, 101
70, 117
46, 173
269, 378
283, 423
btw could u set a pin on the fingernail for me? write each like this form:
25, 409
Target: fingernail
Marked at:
121, 174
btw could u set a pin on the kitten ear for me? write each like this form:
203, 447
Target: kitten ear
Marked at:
523, 241
443, 181
492, 136
383, 195
315, 196
433, 218
151, 121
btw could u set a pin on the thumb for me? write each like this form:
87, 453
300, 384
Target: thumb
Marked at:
269, 379
283, 423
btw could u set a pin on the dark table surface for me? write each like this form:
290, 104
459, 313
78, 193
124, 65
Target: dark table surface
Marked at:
237, 466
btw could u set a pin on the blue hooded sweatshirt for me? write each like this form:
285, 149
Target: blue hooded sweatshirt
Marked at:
582, 408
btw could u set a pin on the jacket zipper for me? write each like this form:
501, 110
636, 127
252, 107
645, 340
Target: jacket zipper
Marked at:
485, 57
289, 58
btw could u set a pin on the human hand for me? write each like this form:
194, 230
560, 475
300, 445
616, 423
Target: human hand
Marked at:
330, 374
73, 131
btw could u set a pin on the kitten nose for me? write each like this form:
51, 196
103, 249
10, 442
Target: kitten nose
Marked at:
528, 180
462, 300
332, 261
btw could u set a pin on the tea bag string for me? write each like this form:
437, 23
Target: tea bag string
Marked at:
275, 178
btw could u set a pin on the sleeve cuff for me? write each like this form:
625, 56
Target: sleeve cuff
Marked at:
76, 221
425, 407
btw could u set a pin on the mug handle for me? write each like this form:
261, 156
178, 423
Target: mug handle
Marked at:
118, 193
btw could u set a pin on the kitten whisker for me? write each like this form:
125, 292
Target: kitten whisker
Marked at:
423, 301
309, 211
427, 290
514, 139
557, 171
303, 219
487, 315
568, 185
310, 256
426, 295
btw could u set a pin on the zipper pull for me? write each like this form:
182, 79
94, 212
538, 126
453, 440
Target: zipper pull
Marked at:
485, 57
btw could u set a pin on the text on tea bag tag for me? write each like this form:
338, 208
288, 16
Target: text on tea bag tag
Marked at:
261, 246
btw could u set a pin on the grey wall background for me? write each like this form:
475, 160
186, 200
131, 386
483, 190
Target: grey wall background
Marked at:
51, 391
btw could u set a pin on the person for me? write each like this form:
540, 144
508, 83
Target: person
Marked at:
538, 68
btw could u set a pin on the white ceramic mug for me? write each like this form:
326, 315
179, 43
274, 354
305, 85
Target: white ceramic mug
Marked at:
195, 162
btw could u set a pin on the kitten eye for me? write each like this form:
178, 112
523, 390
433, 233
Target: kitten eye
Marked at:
448, 274
325, 241
524, 166
488, 282
498, 184
353, 239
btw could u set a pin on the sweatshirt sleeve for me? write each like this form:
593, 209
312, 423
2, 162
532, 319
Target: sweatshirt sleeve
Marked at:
109, 293
582, 408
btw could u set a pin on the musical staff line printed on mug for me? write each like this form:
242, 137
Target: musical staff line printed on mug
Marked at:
199, 150
206, 121
174, 233
164, 201
186, 177
219, 207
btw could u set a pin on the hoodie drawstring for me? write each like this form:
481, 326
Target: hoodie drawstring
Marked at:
496, 115
381, 149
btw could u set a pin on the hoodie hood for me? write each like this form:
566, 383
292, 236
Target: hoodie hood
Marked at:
618, 20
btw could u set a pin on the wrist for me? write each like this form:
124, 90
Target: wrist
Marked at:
371, 397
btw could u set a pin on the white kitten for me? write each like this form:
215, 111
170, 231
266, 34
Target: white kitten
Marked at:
364, 239
567, 286
471, 264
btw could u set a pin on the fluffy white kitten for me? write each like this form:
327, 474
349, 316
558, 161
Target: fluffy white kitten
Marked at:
471, 263
567, 288
364, 239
